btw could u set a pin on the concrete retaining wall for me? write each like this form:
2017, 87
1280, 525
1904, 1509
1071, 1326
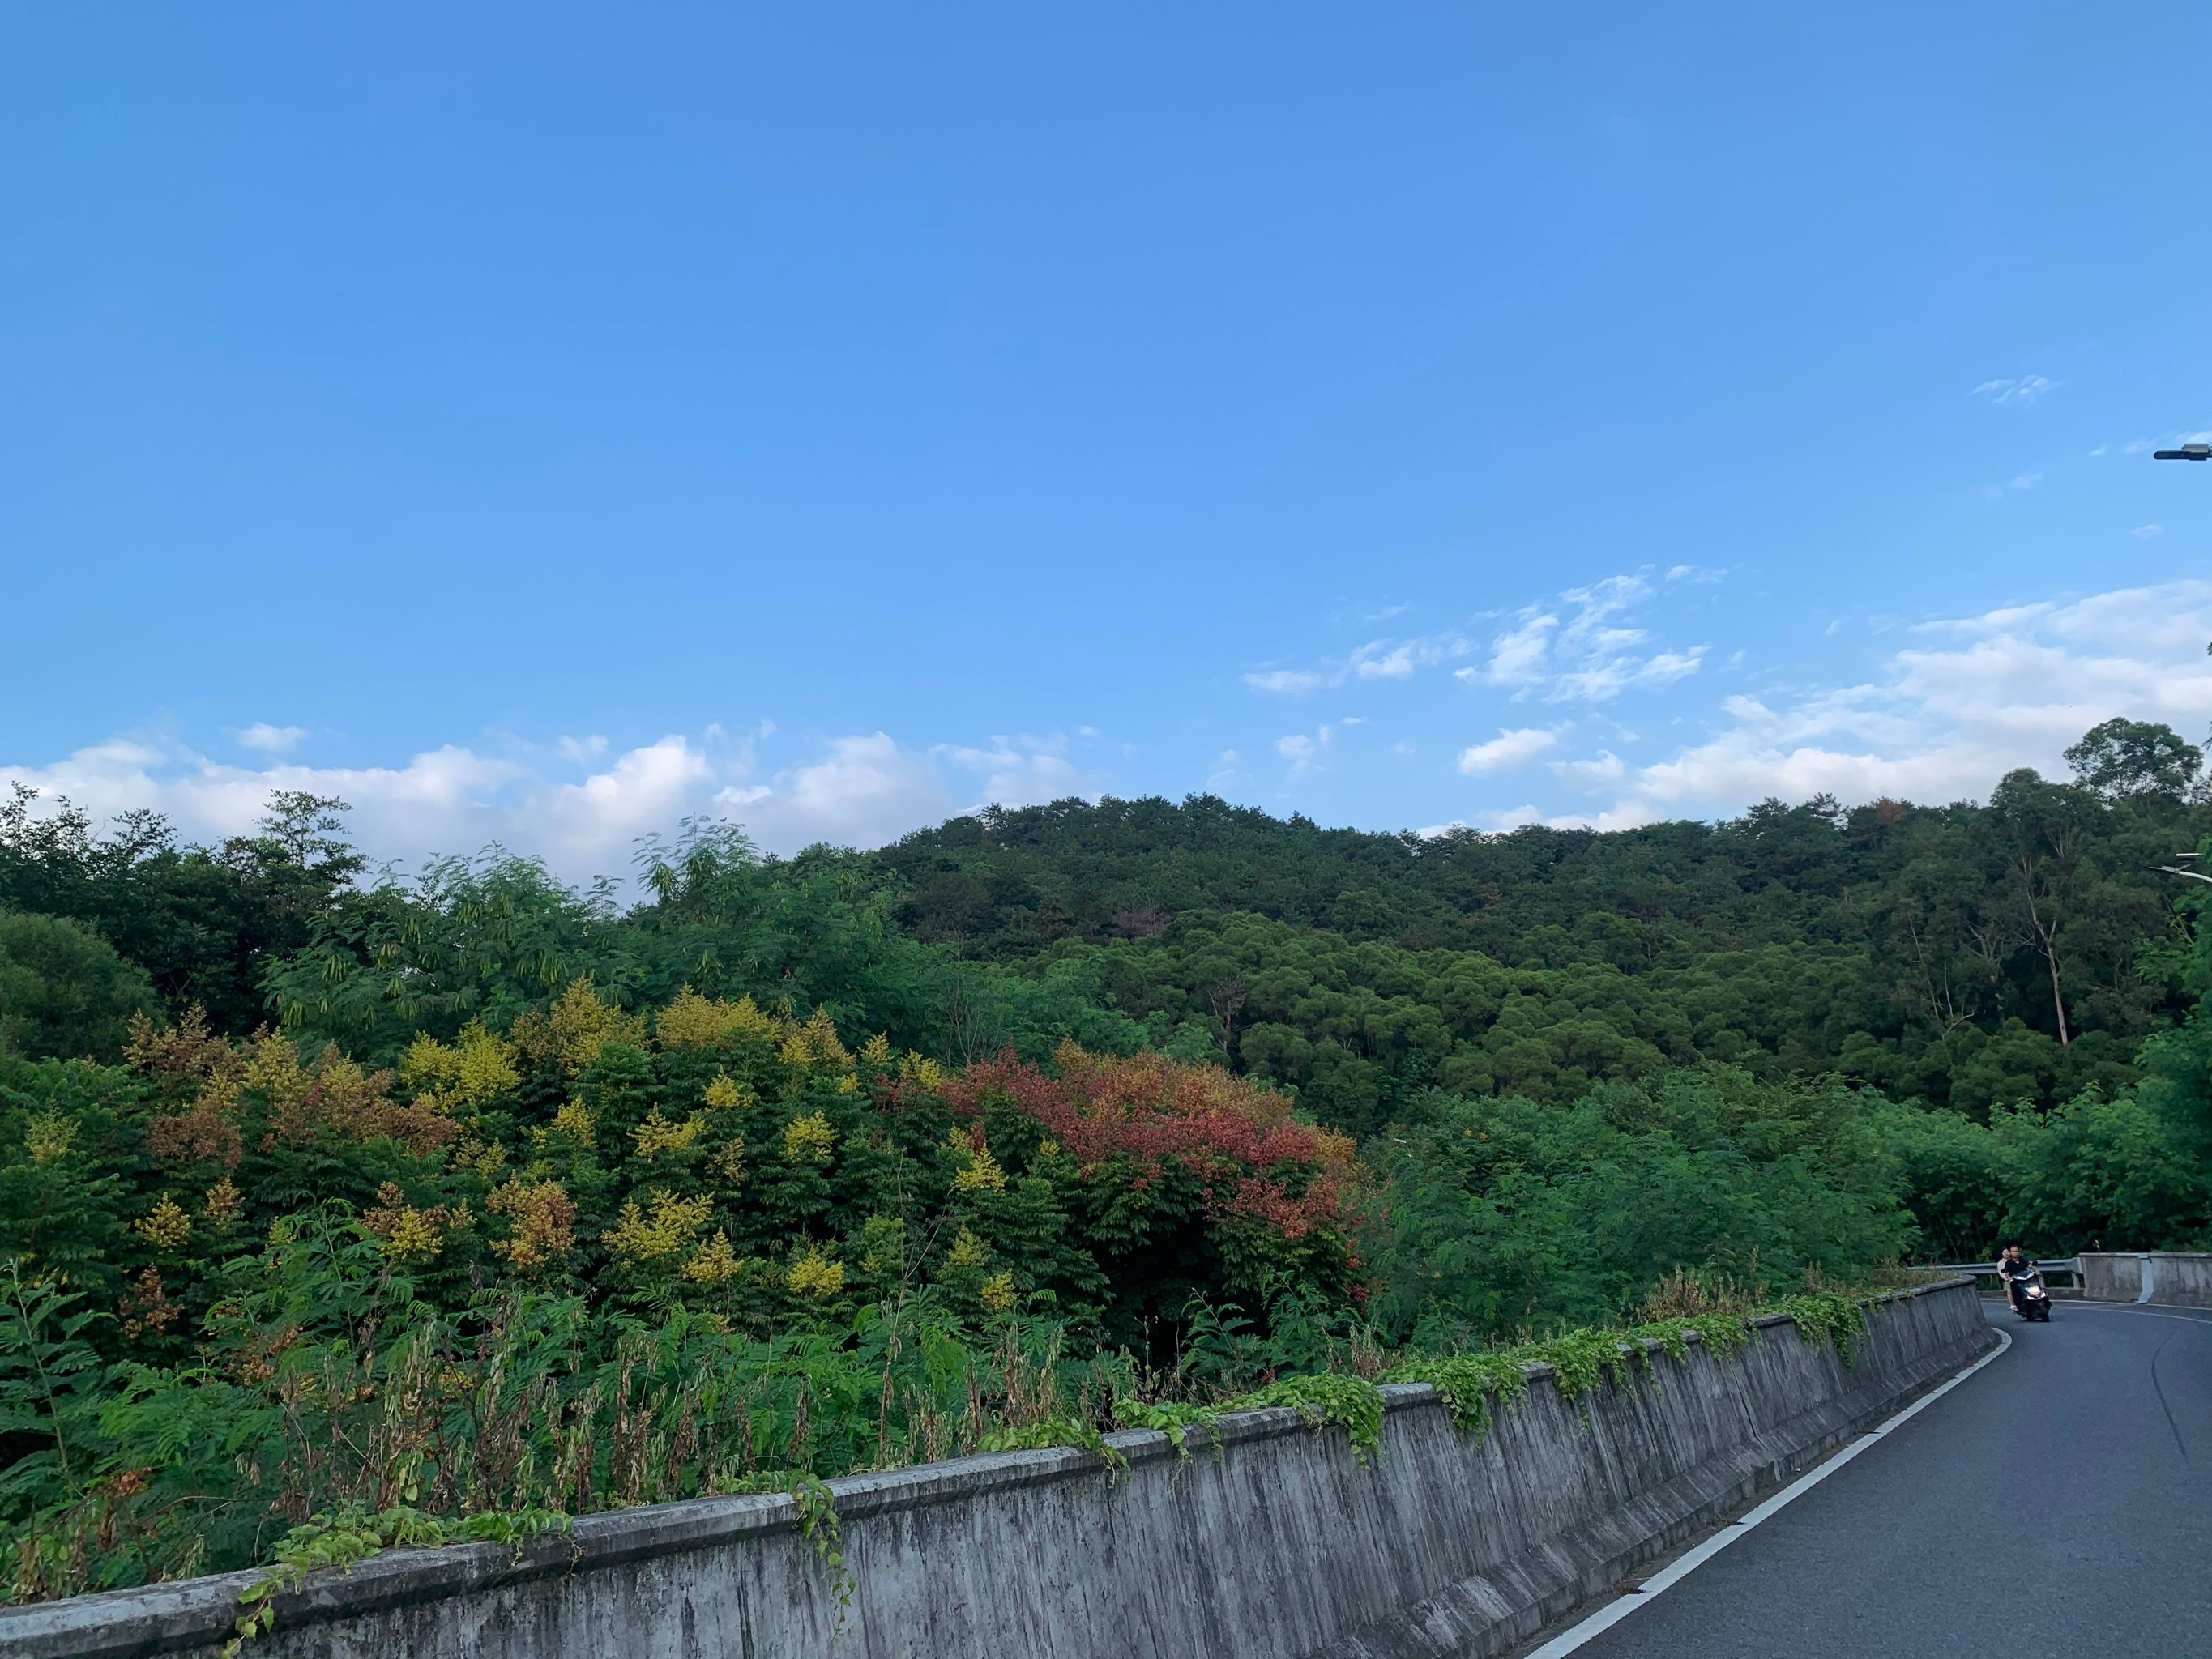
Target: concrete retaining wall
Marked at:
1279, 1547
2174, 1277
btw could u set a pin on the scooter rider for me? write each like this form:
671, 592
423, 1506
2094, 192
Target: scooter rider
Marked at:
2015, 1270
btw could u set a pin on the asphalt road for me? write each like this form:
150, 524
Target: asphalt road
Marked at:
2058, 1503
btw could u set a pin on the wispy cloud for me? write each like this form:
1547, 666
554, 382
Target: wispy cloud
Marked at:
1508, 749
1583, 648
1377, 659
1306, 750
1290, 682
1519, 655
1605, 768
270, 739
2022, 393
1579, 645
2143, 532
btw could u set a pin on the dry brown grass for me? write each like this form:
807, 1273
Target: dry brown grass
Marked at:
1688, 1292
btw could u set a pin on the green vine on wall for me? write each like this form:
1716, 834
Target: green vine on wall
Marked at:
351, 1532
1830, 1318
1173, 1419
1053, 1433
1353, 1403
1320, 1399
1469, 1382
819, 1522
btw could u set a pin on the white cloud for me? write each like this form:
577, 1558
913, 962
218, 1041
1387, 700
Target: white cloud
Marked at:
1512, 817
1306, 750
2022, 393
1289, 682
1590, 657
1394, 663
2007, 688
1507, 750
581, 749
1606, 768
860, 789
270, 739
2143, 532
444, 789
1576, 648
1377, 659
1517, 654
865, 791
1614, 674
1022, 768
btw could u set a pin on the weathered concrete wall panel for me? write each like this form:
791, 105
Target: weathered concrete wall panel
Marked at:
1279, 1547
2175, 1277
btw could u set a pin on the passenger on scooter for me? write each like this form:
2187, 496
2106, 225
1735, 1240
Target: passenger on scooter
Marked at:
2015, 1270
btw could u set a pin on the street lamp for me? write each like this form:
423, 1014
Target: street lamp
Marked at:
2186, 452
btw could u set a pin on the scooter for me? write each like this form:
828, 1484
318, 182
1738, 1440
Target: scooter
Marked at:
2029, 1299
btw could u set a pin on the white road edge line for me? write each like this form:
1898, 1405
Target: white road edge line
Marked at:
1613, 1612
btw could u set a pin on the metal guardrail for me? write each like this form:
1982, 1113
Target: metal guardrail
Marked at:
2070, 1264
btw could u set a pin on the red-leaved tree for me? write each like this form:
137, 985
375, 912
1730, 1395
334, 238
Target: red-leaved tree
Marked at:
1184, 1175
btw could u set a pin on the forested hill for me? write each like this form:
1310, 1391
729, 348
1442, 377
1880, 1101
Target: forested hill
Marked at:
1970, 955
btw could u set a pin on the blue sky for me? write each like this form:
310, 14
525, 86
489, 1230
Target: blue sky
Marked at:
538, 423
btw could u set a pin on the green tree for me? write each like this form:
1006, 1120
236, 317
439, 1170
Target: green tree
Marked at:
2125, 758
64, 991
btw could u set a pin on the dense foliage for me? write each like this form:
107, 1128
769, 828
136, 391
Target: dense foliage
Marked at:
604, 1258
378, 1208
